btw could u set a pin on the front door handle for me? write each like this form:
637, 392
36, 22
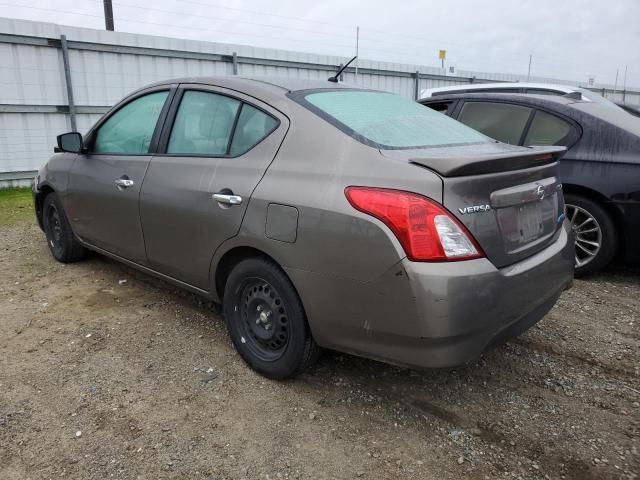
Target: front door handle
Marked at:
123, 182
228, 199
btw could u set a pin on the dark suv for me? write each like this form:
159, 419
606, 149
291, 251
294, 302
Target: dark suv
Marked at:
600, 171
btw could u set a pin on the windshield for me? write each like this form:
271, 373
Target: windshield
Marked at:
385, 120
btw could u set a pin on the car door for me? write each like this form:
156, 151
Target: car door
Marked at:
215, 149
104, 182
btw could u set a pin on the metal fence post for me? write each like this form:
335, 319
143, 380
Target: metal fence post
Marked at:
234, 59
67, 78
416, 85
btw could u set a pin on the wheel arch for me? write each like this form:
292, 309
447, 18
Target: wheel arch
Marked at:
41, 194
604, 201
230, 259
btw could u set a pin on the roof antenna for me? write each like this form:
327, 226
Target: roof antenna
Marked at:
334, 79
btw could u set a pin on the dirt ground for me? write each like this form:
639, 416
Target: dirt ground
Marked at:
102, 378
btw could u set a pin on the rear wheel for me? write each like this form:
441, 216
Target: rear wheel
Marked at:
266, 320
60, 238
594, 231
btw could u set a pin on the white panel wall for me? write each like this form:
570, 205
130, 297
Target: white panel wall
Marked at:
27, 139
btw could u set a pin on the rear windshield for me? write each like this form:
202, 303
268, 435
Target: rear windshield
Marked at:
385, 120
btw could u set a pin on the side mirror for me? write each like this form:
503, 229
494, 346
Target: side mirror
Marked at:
69, 142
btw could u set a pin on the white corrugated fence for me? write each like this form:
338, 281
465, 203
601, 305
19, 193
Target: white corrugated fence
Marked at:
105, 66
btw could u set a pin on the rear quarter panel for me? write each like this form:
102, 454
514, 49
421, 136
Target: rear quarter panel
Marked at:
316, 162
344, 264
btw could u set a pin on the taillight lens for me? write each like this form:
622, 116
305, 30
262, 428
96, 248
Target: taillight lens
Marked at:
424, 228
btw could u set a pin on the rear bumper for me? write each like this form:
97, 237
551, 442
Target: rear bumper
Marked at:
630, 213
467, 312
442, 314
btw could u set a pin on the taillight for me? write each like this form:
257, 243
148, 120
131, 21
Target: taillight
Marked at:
424, 228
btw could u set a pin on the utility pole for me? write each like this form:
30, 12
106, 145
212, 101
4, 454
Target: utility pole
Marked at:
624, 86
529, 71
357, 46
108, 14
615, 85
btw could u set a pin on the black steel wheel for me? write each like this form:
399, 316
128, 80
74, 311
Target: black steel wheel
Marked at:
60, 238
266, 320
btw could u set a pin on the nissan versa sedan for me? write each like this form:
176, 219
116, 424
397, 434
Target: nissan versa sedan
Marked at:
599, 172
319, 215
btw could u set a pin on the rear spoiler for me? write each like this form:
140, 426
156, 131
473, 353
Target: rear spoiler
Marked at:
491, 163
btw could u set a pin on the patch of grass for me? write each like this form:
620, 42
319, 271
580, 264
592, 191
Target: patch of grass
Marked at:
16, 206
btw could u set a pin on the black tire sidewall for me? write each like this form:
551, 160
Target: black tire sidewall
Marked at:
66, 250
607, 227
293, 358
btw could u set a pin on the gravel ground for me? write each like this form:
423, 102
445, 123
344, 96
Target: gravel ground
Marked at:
107, 373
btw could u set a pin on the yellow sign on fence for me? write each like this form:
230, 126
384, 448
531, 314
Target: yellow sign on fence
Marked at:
442, 55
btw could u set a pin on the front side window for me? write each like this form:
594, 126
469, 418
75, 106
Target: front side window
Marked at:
129, 130
203, 124
547, 129
385, 120
503, 121
253, 125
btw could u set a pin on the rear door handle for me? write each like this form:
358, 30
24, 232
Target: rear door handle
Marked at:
228, 199
124, 182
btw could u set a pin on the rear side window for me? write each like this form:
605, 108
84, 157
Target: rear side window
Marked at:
385, 120
203, 124
253, 125
442, 107
129, 130
502, 121
547, 129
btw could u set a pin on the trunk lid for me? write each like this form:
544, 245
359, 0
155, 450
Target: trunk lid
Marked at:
509, 198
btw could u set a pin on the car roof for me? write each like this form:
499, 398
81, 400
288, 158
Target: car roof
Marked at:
477, 86
249, 83
530, 99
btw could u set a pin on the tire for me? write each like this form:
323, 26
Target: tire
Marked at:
60, 238
266, 320
591, 225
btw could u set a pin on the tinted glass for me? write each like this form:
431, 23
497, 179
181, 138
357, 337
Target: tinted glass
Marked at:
547, 129
253, 125
440, 107
130, 129
387, 120
203, 124
502, 121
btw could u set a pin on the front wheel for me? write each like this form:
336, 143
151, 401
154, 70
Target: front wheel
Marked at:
60, 238
266, 320
594, 232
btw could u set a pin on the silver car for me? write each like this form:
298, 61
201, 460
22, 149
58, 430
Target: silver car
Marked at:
320, 215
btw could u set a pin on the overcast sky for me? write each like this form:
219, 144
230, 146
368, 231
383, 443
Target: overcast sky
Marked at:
570, 39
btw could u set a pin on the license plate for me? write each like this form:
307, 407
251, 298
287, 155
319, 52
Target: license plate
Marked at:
529, 221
